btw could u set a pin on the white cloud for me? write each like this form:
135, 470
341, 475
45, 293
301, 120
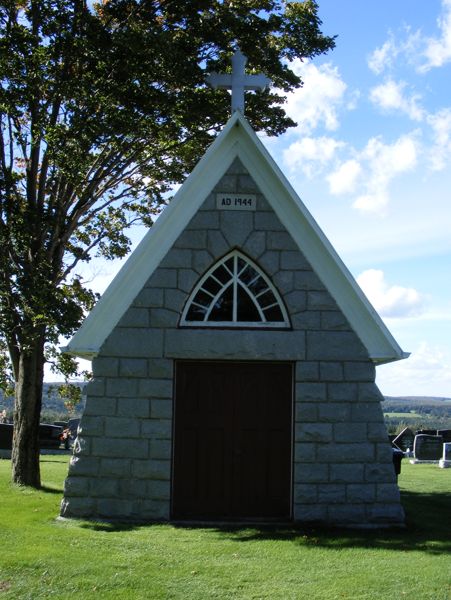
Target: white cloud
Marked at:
390, 301
440, 152
386, 56
317, 102
344, 179
383, 57
424, 52
385, 162
438, 50
391, 158
308, 150
352, 99
427, 372
390, 96
374, 202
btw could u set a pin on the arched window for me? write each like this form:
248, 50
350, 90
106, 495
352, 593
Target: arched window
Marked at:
235, 293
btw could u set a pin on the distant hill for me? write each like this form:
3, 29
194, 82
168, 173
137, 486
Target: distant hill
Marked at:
414, 400
415, 411
52, 405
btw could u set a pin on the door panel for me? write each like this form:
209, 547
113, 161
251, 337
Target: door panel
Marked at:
232, 440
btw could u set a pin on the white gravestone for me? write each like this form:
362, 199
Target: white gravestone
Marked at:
445, 462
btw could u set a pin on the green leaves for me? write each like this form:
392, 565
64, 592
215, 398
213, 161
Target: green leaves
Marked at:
102, 109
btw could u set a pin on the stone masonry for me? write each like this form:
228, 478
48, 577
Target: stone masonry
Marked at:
342, 472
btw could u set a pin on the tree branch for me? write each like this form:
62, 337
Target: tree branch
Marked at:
45, 161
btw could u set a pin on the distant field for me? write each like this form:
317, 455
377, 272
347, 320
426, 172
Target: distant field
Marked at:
403, 415
418, 412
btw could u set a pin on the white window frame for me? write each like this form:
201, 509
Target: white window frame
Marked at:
235, 282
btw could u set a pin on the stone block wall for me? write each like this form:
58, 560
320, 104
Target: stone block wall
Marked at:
342, 472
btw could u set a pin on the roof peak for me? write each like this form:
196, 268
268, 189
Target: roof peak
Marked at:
237, 140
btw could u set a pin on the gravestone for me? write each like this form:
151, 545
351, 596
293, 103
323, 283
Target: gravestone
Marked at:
404, 440
6, 436
447, 451
49, 436
426, 432
446, 435
445, 461
428, 447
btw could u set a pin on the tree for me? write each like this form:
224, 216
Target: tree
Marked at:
102, 109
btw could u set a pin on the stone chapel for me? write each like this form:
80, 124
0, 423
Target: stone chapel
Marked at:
234, 365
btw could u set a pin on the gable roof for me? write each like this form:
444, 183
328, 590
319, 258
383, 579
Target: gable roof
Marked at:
237, 140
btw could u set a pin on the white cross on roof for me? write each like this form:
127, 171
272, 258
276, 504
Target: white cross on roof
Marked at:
238, 81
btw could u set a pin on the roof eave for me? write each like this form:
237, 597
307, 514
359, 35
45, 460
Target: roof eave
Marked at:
383, 360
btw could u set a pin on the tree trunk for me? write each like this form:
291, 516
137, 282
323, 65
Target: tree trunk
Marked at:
27, 411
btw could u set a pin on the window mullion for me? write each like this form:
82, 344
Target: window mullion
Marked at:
235, 289
221, 305
256, 304
215, 299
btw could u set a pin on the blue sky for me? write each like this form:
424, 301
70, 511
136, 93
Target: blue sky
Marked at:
371, 159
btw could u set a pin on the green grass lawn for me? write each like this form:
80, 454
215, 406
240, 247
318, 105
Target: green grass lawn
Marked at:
41, 557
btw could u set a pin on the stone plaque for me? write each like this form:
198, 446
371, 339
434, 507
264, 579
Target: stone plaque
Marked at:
404, 440
236, 201
428, 447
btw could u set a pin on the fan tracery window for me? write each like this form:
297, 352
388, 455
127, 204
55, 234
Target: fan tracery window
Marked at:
235, 293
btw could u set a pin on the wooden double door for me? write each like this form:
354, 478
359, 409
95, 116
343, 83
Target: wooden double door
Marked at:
232, 441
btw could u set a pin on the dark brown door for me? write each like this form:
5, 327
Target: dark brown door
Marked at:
232, 441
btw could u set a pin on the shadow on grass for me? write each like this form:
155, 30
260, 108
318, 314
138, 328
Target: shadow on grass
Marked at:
51, 490
427, 530
111, 526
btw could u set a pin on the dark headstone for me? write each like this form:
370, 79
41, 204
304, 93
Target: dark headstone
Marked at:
404, 440
446, 435
428, 447
49, 436
426, 432
6, 436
